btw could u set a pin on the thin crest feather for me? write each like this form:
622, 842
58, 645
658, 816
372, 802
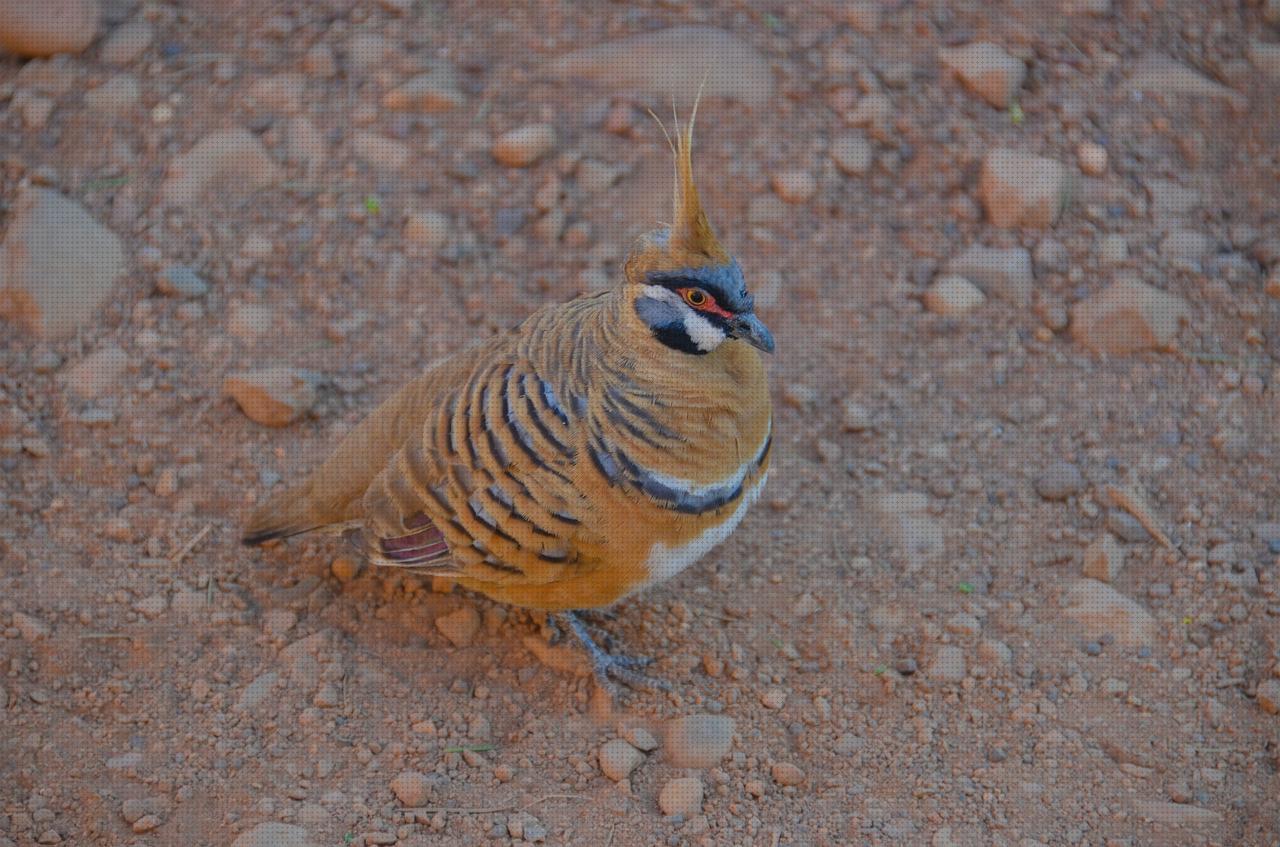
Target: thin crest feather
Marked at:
690, 229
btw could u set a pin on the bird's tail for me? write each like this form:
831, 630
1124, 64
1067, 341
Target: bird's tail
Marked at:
285, 513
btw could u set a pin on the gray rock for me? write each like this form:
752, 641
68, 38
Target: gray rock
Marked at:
1001, 272
1059, 481
699, 741
57, 263
181, 281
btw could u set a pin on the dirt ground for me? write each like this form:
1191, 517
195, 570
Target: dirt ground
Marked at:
899, 632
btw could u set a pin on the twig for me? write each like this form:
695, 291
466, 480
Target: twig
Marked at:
1131, 500
190, 545
492, 810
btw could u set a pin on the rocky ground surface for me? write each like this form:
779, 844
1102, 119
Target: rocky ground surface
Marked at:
1014, 581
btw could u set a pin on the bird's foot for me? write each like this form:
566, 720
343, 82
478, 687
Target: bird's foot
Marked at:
609, 666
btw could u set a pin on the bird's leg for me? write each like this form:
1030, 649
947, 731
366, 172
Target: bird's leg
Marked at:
608, 666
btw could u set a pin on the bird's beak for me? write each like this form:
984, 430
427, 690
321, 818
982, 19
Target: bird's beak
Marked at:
751, 330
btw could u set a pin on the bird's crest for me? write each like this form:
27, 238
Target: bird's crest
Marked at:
690, 241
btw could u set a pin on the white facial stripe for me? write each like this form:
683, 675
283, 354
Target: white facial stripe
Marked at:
705, 335
658, 292
665, 562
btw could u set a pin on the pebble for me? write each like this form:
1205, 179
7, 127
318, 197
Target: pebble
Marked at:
273, 396
640, 738
908, 524
379, 150
1001, 272
345, 568
852, 153
855, 417
29, 627
274, 834
152, 607
952, 296
1059, 481
1161, 75
774, 698
250, 321
948, 665
431, 92
1092, 158
181, 281
524, 146
412, 788
460, 626
794, 186
1103, 558
97, 374
1022, 189
681, 796
785, 773
994, 652
618, 759
1269, 696
257, 691
1185, 244
1128, 316
127, 42
114, 97
60, 264
1113, 249
698, 741
1126, 527
1101, 610
234, 157
427, 228
146, 823
46, 27
663, 63
986, 70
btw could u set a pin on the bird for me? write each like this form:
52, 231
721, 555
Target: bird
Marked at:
597, 449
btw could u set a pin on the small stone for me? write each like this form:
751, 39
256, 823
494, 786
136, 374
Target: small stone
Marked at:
855, 416
1185, 244
785, 773
460, 626
181, 281
257, 691
1001, 272
46, 27
273, 834
345, 568
250, 321
618, 759
234, 158
1101, 611
274, 396
952, 296
29, 627
986, 70
994, 653
852, 153
1163, 76
774, 698
525, 145
328, 696
681, 796
1113, 249
431, 92
662, 63
57, 263
152, 607
698, 741
114, 97
412, 788
379, 150
97, 374
1092, 158
640, 738
277, 622
1128, 316
1103, 558
1059, 481
794, 186
1022, 189
127, 42
948, 665
427, 228
146, 823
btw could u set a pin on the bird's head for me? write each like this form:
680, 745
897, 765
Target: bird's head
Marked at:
684, 286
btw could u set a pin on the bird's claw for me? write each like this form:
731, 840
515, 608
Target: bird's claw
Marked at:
610, 667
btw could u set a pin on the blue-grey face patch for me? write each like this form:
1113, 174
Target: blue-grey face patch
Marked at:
723, 282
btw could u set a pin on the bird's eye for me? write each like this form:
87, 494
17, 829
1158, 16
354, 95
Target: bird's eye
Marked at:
696, 297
